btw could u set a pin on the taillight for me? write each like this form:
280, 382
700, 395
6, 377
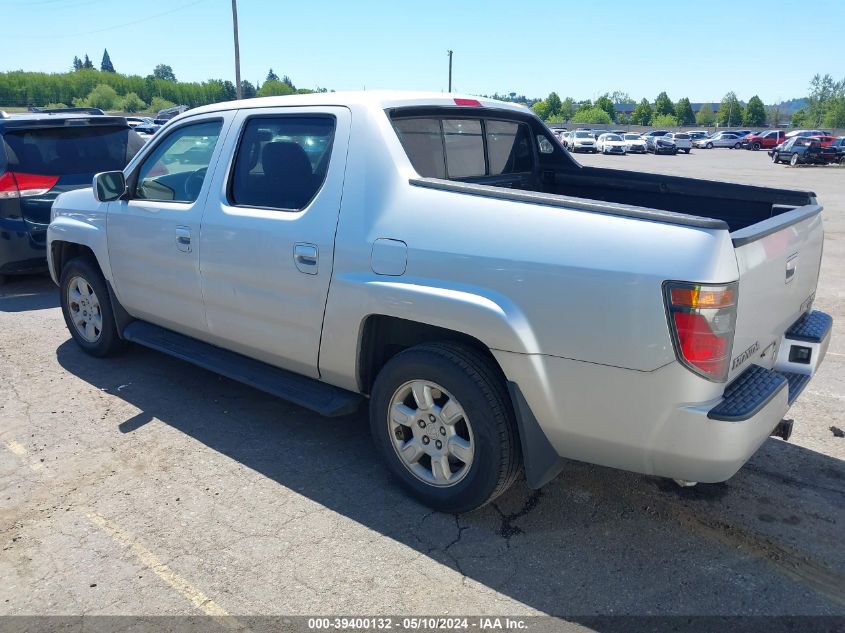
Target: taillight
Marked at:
702, 319
18, 185
474, 103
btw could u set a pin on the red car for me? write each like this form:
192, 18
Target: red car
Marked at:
764, 140
824, 139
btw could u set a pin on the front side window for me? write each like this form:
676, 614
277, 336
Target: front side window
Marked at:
175, 170
282, 161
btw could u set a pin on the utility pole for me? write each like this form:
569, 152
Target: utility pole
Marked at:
238, 87
449, 53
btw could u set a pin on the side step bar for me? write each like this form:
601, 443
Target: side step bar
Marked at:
325, 399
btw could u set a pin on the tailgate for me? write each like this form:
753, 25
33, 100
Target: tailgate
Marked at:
779, 261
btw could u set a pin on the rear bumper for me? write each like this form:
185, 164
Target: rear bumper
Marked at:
22, 247
667, 422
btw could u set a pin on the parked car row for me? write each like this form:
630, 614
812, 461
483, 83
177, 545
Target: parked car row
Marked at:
620, 142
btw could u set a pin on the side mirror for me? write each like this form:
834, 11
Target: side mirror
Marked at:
109, 186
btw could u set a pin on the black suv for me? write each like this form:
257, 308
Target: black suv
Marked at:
41, 155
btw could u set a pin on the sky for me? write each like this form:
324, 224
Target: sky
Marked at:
698, 49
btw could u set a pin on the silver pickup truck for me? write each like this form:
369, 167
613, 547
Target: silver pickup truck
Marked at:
502, 307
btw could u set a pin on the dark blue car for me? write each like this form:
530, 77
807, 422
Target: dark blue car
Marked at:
42, 155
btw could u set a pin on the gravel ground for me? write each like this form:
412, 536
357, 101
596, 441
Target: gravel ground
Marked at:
143, 485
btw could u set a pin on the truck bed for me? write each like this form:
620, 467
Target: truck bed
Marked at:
739, 206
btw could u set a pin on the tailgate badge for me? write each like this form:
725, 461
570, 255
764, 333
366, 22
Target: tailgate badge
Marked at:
791, 264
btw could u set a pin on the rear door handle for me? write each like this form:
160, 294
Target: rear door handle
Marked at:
183, 239
306, 257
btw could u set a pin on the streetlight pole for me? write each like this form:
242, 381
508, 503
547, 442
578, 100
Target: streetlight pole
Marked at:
449, 53
238, 87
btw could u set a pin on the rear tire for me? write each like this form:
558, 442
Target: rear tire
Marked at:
87, 308
686, 151
737, 145
415, 395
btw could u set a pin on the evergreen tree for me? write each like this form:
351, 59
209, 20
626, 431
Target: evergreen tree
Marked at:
705, 115
87, 63
683, 112
642, 113
663, 105
271, 76
106, 65
755, 112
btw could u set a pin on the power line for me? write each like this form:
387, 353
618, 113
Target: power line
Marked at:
125, 24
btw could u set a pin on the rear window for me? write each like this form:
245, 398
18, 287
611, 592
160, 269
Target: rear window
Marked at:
63, 151
465, 148
682, 136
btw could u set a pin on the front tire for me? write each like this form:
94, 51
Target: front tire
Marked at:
775, 157
87, 308
709, 146
755, 146
442, 420
794, 161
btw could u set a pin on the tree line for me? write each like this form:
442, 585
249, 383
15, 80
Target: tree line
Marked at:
85, 86
825, 107
663, 112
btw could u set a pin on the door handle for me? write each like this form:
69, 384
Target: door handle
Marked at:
305, 256
183, 239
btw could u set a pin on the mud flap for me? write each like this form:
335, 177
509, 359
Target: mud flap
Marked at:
542, 463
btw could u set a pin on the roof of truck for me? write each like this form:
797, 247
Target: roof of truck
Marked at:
381, 99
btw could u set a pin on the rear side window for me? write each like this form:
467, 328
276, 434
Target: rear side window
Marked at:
508, 148
64, 151
465, 148
282, 161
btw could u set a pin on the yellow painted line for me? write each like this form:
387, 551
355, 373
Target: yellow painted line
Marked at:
196, 597
20, 450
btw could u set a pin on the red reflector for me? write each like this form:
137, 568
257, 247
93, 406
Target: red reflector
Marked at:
17, 185
475, 103
699, 346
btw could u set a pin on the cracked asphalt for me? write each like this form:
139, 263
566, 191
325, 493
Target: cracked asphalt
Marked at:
143, 485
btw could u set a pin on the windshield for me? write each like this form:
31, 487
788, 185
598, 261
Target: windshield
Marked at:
612, 137
583, 135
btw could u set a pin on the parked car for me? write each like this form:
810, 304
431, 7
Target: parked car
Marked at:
838, 146
824, 140
682, 141
609, 143
373, 271
766, 139
660, 145
582, 141
792, 133
719, 139
655, 133
697, 134
41, 156
135, 121
803, 150
635, 143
